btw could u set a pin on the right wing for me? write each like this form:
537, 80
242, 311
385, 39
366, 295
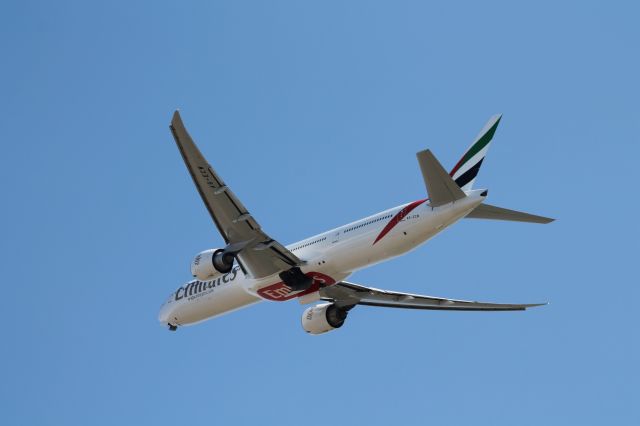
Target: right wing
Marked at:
258, 254
346, 294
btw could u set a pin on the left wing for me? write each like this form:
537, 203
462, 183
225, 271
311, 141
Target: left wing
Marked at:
345, 294
257, 253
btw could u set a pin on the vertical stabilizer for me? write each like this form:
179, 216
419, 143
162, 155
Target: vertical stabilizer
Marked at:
465, 172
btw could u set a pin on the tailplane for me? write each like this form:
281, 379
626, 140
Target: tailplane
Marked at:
441, 188
444, 188
465, 171
487, 211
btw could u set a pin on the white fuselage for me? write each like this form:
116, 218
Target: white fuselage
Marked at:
330, 257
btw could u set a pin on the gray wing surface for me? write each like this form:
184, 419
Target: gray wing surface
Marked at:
487, 211
258, 254
349, 294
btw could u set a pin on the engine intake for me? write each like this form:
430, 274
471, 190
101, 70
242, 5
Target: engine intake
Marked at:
323, 318
223, 261
211, 262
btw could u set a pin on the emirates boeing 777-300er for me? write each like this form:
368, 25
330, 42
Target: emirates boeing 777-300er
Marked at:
253, 267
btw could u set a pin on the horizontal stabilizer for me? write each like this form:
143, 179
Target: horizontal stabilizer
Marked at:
487, 211
441, 187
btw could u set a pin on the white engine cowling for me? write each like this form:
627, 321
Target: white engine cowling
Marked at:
211, 262
323, 318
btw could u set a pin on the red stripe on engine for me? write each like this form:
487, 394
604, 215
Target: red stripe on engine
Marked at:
397, 218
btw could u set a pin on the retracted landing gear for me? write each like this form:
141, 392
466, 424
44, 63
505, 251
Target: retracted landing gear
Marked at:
295, 279
172, 327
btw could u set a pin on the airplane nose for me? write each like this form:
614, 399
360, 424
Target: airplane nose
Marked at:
167, 315
164, 314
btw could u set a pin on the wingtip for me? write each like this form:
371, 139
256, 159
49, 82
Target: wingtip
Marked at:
175, 119
535, 305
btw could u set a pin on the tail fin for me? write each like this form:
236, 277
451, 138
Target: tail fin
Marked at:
465, 172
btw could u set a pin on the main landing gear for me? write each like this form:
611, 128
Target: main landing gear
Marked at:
295, 279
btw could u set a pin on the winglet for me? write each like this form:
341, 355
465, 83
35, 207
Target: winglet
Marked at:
441, 187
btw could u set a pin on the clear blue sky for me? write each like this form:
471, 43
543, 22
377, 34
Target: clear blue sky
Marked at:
313, 112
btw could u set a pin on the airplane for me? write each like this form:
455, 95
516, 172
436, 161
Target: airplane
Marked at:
253, 267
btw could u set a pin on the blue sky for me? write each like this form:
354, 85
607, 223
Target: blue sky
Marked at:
312, 112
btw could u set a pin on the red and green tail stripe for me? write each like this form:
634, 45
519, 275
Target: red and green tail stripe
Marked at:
468, 167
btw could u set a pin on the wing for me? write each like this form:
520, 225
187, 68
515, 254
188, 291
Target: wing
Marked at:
258, 254
346, 294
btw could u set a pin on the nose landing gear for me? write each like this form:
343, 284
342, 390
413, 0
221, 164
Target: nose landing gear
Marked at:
172, 327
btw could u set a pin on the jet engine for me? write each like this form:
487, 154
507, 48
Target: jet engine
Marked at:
211, 262
323, 318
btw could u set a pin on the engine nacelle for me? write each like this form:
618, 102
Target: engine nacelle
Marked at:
211, 262
323, 318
